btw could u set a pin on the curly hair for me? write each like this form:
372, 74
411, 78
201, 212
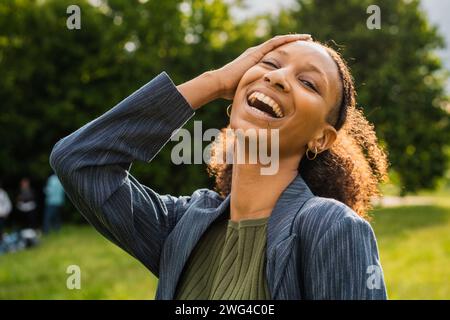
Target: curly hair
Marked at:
355, 163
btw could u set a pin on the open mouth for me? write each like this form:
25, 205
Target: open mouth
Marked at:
265, 104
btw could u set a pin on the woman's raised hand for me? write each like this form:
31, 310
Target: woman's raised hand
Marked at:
228, 76
223, 82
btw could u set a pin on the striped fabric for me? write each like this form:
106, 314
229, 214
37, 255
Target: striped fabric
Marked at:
317, 248
228, 263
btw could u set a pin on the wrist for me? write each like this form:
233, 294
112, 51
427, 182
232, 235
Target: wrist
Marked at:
217, 87
201, 90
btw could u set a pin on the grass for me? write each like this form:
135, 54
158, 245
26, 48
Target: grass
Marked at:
107, 272
414, 245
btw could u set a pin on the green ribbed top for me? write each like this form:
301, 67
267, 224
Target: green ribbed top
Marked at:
228, 263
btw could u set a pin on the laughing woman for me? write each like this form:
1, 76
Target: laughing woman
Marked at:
299, 234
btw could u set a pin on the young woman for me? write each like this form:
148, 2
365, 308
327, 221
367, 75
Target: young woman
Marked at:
297, 234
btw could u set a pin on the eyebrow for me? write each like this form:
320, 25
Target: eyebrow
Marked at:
309, 65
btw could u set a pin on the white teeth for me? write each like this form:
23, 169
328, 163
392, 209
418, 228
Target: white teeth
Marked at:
267, 100
275, 108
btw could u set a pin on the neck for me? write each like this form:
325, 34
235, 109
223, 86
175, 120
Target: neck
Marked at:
254, 195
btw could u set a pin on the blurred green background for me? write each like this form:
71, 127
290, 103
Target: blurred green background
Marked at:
54, 80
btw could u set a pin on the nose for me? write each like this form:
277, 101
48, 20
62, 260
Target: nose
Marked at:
278, 79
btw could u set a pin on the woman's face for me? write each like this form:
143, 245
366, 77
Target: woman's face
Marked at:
303, 81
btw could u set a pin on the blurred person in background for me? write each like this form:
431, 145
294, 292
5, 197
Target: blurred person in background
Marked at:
26, 205
5, 209
54, 200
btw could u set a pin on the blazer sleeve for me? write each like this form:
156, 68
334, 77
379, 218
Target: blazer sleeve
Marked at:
93, 166
345, 264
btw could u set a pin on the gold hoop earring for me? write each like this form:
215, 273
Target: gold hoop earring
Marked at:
228, 111
315, 153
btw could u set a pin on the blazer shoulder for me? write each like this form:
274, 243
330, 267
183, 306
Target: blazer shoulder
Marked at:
328, 209
320, 214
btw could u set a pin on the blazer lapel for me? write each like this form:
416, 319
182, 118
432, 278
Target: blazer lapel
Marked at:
181, 242
279, 231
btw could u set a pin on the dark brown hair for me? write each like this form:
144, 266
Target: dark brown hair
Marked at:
350, 171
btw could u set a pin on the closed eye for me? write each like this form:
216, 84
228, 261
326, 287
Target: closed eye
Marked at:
270, 64
309, 84
305, 82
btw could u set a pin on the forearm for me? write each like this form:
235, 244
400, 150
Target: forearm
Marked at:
201, 90
135, 129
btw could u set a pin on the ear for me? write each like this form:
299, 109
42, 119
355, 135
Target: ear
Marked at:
326, 139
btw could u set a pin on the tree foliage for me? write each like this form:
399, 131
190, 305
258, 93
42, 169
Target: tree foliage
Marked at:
54, 80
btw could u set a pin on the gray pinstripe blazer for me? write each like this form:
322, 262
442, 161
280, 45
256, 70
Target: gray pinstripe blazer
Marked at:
317, 248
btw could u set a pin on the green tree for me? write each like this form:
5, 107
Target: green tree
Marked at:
54, 80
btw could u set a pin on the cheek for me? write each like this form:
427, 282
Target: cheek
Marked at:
309, 110
250, 76
302, 126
